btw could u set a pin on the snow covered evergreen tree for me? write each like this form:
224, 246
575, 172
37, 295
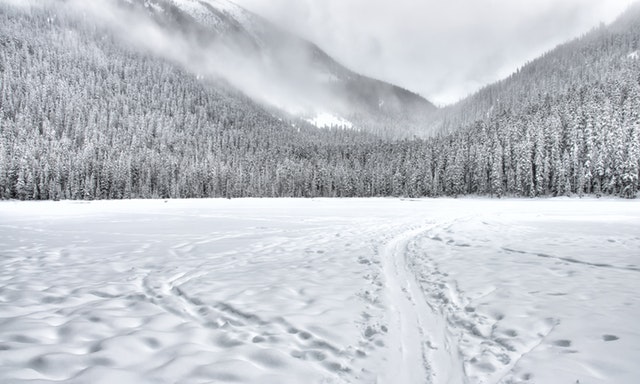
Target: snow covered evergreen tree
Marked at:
84, 116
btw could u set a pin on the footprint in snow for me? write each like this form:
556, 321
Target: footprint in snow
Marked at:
511, 333
562, 343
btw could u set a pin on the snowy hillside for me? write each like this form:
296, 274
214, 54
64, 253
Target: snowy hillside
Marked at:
601, 58
320, 291
299, 76
148, 102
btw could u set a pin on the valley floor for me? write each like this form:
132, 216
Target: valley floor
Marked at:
320, 291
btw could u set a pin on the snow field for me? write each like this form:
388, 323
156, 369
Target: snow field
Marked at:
545, 296
320, 291
327, 120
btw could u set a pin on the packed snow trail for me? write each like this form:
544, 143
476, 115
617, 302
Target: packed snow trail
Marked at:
421, 350
320, 291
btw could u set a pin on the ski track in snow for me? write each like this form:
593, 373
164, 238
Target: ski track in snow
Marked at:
423, 351
320, 291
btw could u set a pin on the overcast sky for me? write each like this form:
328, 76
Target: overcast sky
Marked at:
441, 49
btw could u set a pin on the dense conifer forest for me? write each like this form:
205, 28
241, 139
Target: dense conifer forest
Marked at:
83, 116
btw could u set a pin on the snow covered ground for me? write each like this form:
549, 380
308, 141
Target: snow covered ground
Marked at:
327, 120
320, 291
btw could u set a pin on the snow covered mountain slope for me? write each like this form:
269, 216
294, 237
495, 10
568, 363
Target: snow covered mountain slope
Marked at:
602, 58
278, 68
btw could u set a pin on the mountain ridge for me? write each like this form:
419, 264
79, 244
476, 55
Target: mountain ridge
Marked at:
294, 63
86, 114
534, 78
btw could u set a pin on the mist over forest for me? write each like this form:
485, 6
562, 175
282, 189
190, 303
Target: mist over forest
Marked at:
122, 99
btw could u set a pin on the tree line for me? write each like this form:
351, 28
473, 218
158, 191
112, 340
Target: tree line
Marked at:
83, 117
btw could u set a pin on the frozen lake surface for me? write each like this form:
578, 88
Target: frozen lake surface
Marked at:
320, 291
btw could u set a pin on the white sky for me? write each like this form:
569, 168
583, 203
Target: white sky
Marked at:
441, 49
